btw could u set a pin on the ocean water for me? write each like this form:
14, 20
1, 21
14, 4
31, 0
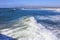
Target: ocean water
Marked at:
30, 24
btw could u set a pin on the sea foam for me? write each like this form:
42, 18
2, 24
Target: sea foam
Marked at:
27, 28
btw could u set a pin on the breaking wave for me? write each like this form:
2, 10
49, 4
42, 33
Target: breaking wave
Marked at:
27, 28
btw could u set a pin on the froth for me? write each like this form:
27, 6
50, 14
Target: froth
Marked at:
26, 28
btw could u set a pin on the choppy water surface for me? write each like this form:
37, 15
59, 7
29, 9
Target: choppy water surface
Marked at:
30, 24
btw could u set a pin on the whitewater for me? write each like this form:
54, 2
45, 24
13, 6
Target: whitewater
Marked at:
27, 28
30, 24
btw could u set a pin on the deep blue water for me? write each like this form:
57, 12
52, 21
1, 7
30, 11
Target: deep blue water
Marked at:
4, 37
10, 14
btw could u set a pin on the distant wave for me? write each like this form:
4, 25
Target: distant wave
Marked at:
52, 18
58, 10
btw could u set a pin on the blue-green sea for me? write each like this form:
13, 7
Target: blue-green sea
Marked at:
49, 19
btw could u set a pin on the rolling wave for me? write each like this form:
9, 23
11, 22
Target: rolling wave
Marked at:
27, 28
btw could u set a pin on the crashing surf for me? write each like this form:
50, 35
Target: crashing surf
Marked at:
27, 28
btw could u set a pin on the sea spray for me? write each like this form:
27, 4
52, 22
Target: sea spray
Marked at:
27, 28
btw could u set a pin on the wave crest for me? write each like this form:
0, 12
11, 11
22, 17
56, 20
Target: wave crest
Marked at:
27, 28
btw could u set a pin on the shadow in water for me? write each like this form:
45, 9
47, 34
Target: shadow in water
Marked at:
4, 37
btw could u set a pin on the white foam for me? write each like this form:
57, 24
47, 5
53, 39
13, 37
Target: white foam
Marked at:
57, 10
52, 18
29, 29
